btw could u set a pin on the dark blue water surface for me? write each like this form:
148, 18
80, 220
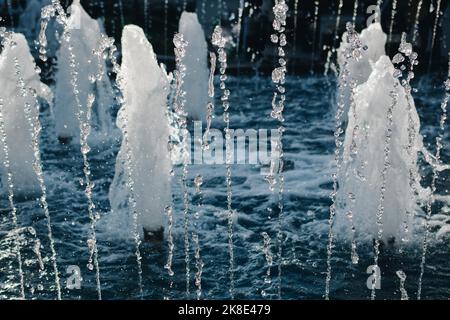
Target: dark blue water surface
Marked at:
309, 145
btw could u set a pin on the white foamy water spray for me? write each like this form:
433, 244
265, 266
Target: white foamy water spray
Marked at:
81, 36
195, 85
144, 86
219, 41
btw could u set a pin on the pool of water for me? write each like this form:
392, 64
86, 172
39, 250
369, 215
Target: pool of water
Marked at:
308, 146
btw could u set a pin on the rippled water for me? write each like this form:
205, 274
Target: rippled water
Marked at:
308, 146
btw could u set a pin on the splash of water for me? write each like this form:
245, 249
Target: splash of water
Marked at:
219, 41
35, 130
439, 147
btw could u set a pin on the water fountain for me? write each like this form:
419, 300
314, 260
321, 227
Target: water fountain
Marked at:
85, 34
196, 78
372, 197
142, 80
21, 153
366, 127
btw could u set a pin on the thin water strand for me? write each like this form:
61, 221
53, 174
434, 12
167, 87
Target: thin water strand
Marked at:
355, 12
166, 17
35, 130
179, 105
391, 24
84, 118
332, 50
406, 52
219, 41
431, 198
294, 46
416, 22
269, 260
210, 105
171, 245
199, 264
275, 175
402, 276
316, 17
121, 14
433, 37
